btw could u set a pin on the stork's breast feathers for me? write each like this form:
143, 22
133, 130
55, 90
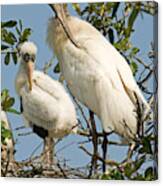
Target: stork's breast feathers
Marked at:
108, 94
48, 105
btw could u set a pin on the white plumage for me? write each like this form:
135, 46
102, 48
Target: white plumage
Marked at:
96, 74
45, 103
48, 106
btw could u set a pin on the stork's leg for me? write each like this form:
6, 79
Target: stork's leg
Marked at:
104, 149
93, 167
48, 152
130, 151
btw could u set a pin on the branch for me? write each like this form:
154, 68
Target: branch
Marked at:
108, 162
146, 78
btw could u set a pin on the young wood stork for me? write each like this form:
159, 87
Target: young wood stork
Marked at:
45, 105
96, 73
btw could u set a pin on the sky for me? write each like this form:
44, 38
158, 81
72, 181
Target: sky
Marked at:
36, 17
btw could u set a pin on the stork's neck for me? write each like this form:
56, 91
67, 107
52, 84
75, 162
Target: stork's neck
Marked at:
21, 77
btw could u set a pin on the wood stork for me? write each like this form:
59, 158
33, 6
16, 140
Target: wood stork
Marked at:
7, 149
96, 73
45, 105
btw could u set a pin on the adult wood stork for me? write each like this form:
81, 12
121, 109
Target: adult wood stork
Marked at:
96, 73
7, 153
45, 105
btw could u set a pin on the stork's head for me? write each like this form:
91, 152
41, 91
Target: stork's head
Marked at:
62, 15
27, 53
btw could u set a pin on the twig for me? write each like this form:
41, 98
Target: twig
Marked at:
108, 162
146, 78
141, 62
19, 128
25, 134
33, 152
63, 172
88, 134
81, 110
65, 146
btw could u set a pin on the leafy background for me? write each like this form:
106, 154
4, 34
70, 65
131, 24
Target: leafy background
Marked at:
129, 27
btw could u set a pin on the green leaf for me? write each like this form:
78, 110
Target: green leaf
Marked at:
20, 25
7, 58
149, 173
4, 94
111, 35
57, 68
134, 67
96, 22
131, 20
128, 170
18, 31
135, 50
139, 163
132, 17
26, 33
9, 24
12, 36
13, 111
76, 6
123, 45
7, 134
9, 102
115, 8
4, 33
117, 175
106, 177
4, 47
14, 57
102, 10
9, 38
147, 148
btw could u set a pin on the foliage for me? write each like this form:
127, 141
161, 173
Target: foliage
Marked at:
12, 35
7, 103
5, 133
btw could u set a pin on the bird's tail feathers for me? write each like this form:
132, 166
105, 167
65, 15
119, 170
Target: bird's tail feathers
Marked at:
142, 105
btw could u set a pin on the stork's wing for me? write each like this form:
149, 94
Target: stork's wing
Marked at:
39, 107
52, 87
47, 105
116, 89
110, 61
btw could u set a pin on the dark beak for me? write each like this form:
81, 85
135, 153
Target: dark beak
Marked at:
60, 12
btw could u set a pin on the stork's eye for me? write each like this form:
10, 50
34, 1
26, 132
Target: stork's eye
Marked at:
26, 57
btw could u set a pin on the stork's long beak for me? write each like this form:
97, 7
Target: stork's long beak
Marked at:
30, 67
60, 11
